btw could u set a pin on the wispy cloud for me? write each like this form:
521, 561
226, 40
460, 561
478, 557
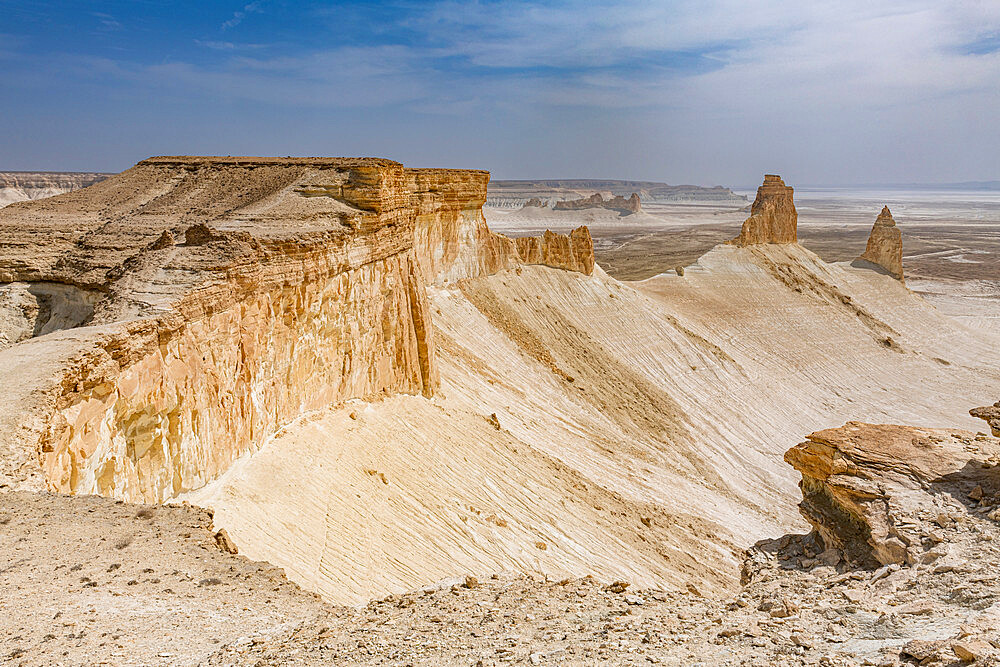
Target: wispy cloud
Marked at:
107, 21
704, 79
239, 15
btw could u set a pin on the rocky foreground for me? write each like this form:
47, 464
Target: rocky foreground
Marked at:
902, 569
933, 493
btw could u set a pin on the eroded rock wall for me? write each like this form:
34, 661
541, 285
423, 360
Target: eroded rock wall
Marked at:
237, 294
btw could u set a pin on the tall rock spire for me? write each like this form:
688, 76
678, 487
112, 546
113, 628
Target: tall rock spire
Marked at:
773, 218
885, 245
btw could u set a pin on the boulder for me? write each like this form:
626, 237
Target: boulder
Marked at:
991, 415
864, 484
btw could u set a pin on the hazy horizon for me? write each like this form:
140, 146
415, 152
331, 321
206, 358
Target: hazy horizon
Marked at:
679, 92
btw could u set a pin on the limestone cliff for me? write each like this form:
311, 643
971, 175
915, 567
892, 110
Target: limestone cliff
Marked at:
885, 246
773, 218
596, 200
26, 185
214, 300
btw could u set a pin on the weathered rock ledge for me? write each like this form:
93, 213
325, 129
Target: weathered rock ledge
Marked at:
216, 299
864, 485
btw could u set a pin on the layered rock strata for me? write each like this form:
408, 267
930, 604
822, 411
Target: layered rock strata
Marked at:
863, 485
773, 218
25, 185
885, 246
596, 200
221, 298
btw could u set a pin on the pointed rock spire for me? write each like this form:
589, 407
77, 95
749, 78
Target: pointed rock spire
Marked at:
773, 218
885, 246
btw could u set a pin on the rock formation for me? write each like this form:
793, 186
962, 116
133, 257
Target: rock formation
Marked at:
773, 218
25, 185
885, 246
596, 200
864, 485
222, 298
991, 414
515, 194
572, 252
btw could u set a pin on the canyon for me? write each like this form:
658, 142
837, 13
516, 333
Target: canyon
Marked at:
372, 390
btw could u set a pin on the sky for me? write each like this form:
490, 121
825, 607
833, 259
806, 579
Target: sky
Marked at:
704, 92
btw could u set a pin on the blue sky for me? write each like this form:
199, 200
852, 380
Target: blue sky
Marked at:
838, 92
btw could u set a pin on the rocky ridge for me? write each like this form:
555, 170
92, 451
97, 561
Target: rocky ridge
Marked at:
885, 246
516, 193
596, 200
773, 218
162, 267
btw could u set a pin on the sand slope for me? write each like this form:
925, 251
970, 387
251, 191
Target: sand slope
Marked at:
617, 405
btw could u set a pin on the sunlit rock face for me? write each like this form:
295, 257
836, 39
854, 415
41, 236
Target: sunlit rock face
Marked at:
222, 298
885, 245
864, 485
773, 218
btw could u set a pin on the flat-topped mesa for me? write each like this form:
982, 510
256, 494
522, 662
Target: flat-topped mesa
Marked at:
773, 218
596, 200
991, 415
885, 246
213, 300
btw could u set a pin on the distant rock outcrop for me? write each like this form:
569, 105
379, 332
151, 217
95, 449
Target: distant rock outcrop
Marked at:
596, 200
773, 218
516, 194
18, 186
885, 246
991, 415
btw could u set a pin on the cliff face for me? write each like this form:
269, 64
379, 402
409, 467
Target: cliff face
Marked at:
26, 185
773, 218
885, 245
228, 296
596, 200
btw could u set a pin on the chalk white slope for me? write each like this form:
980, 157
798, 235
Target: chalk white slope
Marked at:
638, 433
